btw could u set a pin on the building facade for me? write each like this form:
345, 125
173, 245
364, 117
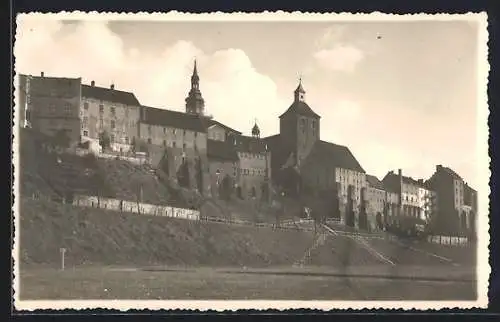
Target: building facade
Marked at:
112, 113
51, 105
454, 216
254, 166
177, 139
376, 198
223, 166
327, 170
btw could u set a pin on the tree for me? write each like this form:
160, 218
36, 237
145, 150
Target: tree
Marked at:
226, 188
104, 140
62, 139
199, 175
164, 163
183, 174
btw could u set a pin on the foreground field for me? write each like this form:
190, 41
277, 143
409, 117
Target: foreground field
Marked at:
235, 284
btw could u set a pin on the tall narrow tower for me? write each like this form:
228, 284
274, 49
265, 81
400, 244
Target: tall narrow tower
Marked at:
299, 126
195, 104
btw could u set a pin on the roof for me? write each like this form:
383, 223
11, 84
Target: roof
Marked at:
222, 150
250, 144
179, 120
300, 108
391, 181
110, 95
374, 182
450, 172
212, 122
337, 155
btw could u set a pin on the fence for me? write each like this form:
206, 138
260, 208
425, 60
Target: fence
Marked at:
448, 240
134, 207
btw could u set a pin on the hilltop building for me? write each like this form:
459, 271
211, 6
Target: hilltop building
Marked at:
51, 105
109, 112
325, 168
457, 202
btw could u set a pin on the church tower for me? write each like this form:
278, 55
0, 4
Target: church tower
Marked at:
256, 131
195, 104
299, 126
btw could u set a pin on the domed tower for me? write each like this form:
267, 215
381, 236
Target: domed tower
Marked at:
195, 104
255, 130
299, 126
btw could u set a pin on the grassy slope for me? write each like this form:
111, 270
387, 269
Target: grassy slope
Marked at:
93, 236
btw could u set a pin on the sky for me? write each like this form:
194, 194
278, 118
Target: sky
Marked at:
398, 94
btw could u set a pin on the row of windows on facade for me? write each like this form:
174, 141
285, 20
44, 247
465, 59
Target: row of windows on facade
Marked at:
252, 172
112, 137
112, 123
251, 156
68, 108
174, 131
112, 109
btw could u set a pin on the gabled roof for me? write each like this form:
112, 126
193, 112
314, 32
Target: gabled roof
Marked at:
300, 108
336, 155
109, 95
374, 182
175, 119
221, 150
212, 122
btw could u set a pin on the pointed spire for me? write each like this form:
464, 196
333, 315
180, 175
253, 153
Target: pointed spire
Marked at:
195, 70
300, 89
299, 92
255, 130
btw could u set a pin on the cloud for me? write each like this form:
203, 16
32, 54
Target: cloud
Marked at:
234, 91
339, 58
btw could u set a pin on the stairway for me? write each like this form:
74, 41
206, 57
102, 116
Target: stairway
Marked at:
318, 241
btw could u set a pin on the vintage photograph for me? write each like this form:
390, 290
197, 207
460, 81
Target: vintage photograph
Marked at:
250, 161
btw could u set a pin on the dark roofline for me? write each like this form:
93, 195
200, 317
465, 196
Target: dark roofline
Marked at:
116, 96
213, 122
197, 126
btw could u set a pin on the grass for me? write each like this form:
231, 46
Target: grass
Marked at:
211, 284
96, 236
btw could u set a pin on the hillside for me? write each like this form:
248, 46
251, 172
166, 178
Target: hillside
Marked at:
93, 236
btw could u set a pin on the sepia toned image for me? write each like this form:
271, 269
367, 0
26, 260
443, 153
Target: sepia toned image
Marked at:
227, 161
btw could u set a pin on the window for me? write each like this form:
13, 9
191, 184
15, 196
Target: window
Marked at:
175, 131
183, 146
52, 108
303, 125
195, 134
101, 123
126, 140
149, 140
184, 133
126, 111
314, 127
113, 110
85, 133
85, 121
85, 105
113, 124
164, 130
164, 143
174, 144
101, 108
112, 138
149, 129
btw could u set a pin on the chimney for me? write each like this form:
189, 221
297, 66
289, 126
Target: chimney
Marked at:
92, 83
42, 74
439, 167
400, 172
112, 86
